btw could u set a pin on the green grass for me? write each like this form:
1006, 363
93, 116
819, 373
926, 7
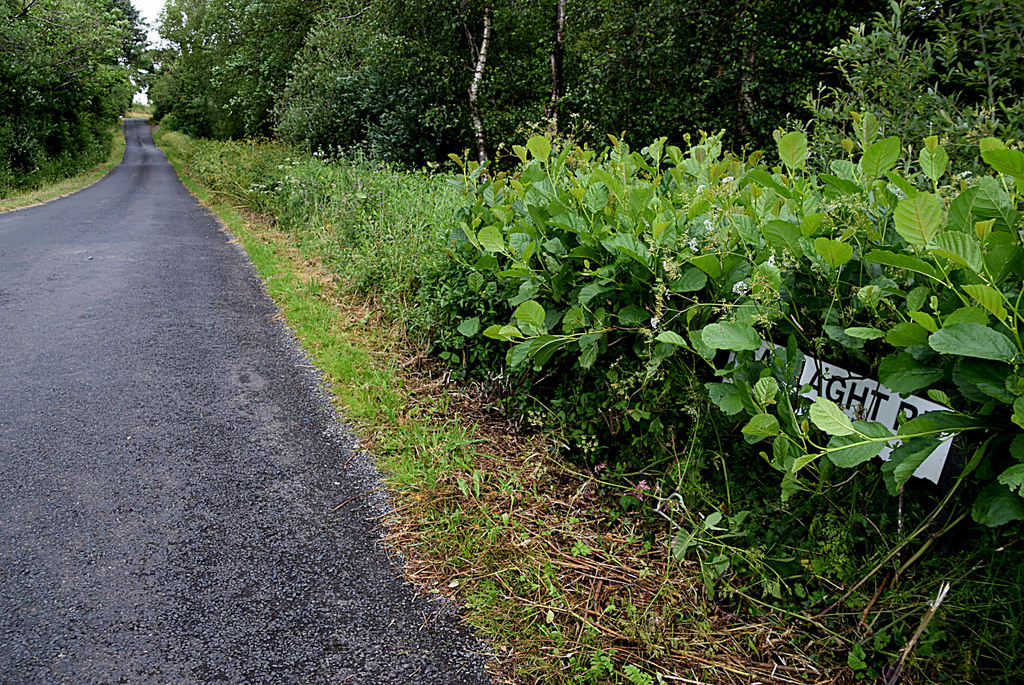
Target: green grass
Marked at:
66, 186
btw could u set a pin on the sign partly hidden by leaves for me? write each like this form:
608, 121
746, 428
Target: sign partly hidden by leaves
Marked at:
864, 418
662, 258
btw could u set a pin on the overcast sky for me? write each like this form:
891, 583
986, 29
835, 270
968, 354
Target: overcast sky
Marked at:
149, 8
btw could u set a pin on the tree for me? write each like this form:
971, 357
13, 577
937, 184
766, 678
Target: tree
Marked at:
62, 85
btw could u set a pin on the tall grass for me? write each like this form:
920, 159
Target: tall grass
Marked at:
378, 228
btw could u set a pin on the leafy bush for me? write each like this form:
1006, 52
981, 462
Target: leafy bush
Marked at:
645, 268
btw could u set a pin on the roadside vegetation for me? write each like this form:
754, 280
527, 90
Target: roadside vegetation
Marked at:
617, 381
46, 191
66, 68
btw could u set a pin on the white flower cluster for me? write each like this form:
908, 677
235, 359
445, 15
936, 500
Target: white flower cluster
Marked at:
741, 288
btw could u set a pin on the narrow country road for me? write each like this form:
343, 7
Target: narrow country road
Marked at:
169, 466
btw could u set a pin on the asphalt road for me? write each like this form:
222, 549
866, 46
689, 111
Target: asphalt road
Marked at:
169, 463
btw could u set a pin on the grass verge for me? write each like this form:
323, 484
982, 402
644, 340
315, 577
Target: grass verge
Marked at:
545, 564
66, 186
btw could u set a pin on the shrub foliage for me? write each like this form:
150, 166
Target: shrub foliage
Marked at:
667, 265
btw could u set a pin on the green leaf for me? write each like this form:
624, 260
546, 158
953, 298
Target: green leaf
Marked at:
934, 423
901, 183
834, 253
992, 201
989, 298
917, 297
901, 261
1013, 478
601, 174
962, 248
544, 346
540, 146
592, 290
691, 280
870, 295
924, 320
918, 218
933, 162
989, 143
838, 333
596, 197
987, 376
470, 327
765, 180
490, 239
1009, 162
762, 426
866, 127
518, 354
905, 460
793, 150
828, 417
840, 184
730, 336
765, 390
972, 340
672, 338
864, 333
904, 374
847, 451
997, 504
532, 313
961, 210
966, 315
554, 246
857, 658
505, 333
726, 397
589, 349
574, 319
475, 281
629, 245
633, 315
879, 158
906, 334
709, 264
783, 235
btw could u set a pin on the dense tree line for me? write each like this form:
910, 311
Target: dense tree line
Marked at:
413, 80
65, 68
397, 76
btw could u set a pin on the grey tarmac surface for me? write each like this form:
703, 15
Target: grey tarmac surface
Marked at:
170, 463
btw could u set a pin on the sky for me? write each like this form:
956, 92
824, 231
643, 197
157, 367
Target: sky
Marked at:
149, 9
